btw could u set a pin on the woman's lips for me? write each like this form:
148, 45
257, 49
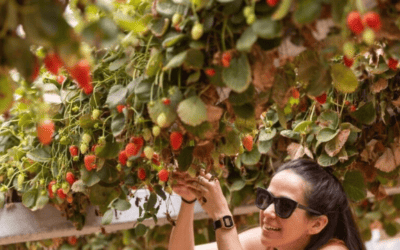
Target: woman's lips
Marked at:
269, 228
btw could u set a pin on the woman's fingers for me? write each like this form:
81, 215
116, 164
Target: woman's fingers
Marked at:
198, 187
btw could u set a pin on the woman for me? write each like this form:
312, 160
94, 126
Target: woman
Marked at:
304, 207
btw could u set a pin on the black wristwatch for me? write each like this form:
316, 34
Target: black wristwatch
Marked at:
225, 222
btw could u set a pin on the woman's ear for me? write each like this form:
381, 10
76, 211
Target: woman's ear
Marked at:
317, 224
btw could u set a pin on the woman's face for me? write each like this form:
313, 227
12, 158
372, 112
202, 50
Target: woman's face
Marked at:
293, 232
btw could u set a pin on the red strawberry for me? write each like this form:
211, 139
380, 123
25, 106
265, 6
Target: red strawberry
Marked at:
295, 93
122, 157
70, 178
94, 147
73, 150
45, 131
61, 79
36, 70
89, 162
166, 101
210, 72
72, 240
156, 159
163, 175
347, 103
321, 99
51, 194
272, 3
372, 20
354, 22
131, 149
248, 142
61, 193
53, 63
176, 139
226, 59
348, 61
120, 108
393, 63
353, 108
81, 73
138, 141
141, 174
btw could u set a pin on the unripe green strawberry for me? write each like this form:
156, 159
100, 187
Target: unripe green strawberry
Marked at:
241, 149
95, 114
176, 19
129, 164
65, 187
10, 172
64, 140
3, 188
20, 180
102, 140
41, 182
148, 152
349, 50
146, 134
76, 158
369, 36
197, 31
84, 148
156, 131
118, 167
75, 108
247, 11
54, 188
162, 120
250, 19
43, 193
86, 138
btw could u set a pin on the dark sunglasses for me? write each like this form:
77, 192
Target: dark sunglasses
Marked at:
284, 207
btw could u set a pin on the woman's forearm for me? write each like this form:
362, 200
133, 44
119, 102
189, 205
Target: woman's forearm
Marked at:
227, 239
182, 236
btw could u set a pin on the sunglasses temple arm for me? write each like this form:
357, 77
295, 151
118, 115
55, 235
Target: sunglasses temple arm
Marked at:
308, 209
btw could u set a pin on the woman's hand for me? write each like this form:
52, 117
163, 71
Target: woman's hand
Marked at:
181, 187
209, 193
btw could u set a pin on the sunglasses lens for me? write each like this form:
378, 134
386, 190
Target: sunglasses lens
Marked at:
263, 200
284, 207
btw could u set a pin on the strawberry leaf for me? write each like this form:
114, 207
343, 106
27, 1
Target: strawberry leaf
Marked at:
192, 111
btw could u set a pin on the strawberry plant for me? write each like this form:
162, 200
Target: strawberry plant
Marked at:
197, 86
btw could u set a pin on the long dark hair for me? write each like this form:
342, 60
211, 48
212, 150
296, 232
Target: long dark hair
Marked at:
327, 196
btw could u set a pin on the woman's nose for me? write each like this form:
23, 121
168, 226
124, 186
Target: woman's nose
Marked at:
270, 211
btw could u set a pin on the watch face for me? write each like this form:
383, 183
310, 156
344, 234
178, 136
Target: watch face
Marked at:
228, 221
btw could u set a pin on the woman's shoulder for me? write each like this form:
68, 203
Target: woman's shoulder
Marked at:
250, 239
334, 244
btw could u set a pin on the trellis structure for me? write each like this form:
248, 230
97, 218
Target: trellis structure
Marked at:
19, 224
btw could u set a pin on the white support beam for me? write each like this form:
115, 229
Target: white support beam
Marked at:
19, 224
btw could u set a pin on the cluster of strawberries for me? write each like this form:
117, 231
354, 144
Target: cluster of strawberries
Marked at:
225, 62
366, 25
63, 190
370, 19
134, 148
80, 71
